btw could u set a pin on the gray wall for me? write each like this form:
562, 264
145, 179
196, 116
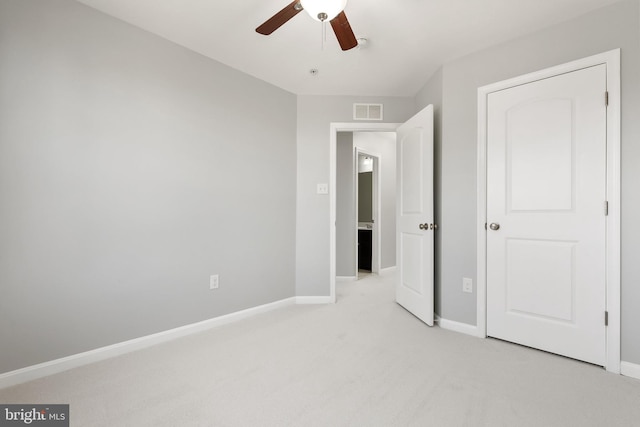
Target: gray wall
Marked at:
130, 170
315, 113
613, 27
345, 207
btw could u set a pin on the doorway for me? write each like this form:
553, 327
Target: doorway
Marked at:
366, 202
365, 194
548, 210
335, 130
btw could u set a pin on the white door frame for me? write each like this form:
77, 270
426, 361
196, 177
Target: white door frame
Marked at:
376, 196
612, 61
334, 128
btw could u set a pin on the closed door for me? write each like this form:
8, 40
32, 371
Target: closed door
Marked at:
546, 193
415, 228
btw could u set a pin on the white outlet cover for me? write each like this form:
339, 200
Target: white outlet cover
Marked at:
323, 188
214, 281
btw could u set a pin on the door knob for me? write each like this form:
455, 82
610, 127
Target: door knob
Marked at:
421, 226
494, 226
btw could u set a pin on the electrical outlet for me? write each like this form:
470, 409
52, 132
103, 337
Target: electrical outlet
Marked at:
214, 281
467, 285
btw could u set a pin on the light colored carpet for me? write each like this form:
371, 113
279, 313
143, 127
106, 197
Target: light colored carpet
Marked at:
361, 362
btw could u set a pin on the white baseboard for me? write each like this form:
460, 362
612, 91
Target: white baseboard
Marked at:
313, 300
30, 373
382, 272
463, 328
630, 370
388, 270
626, 368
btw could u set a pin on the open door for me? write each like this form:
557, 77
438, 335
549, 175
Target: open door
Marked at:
415, 226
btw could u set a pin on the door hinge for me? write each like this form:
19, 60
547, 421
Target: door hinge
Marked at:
606, 318
606, 99
606, 208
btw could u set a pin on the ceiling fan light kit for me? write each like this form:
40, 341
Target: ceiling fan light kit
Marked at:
320, 10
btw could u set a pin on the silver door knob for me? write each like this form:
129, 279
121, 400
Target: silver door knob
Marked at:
421, 226
494, 226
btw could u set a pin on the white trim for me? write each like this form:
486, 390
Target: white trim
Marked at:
451, 325
612, 61
387, 271
334, 128
630, 370
40, 370
346, 278
314, 300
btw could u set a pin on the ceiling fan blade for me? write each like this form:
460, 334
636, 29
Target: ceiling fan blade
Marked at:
277, 20
341, 27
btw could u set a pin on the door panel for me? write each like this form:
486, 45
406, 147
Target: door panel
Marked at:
545, 288
414, 288
411, 248
411, 195
533, 147
546, 188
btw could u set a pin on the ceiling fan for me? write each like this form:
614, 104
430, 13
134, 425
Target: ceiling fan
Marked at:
320, 10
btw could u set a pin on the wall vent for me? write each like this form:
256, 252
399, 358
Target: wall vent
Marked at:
367, 111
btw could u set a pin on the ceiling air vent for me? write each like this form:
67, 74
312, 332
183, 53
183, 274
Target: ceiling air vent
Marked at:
367, 111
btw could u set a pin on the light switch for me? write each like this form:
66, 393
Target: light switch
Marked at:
323, 188
467, 285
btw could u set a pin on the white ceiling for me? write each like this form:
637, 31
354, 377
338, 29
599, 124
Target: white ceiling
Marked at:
408, 39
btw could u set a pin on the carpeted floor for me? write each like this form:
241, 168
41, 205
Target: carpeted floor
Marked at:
364, 361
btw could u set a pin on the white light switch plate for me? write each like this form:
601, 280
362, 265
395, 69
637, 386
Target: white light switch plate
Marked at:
467, 285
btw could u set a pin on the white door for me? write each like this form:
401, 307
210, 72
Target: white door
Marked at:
546, 193
415, 228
